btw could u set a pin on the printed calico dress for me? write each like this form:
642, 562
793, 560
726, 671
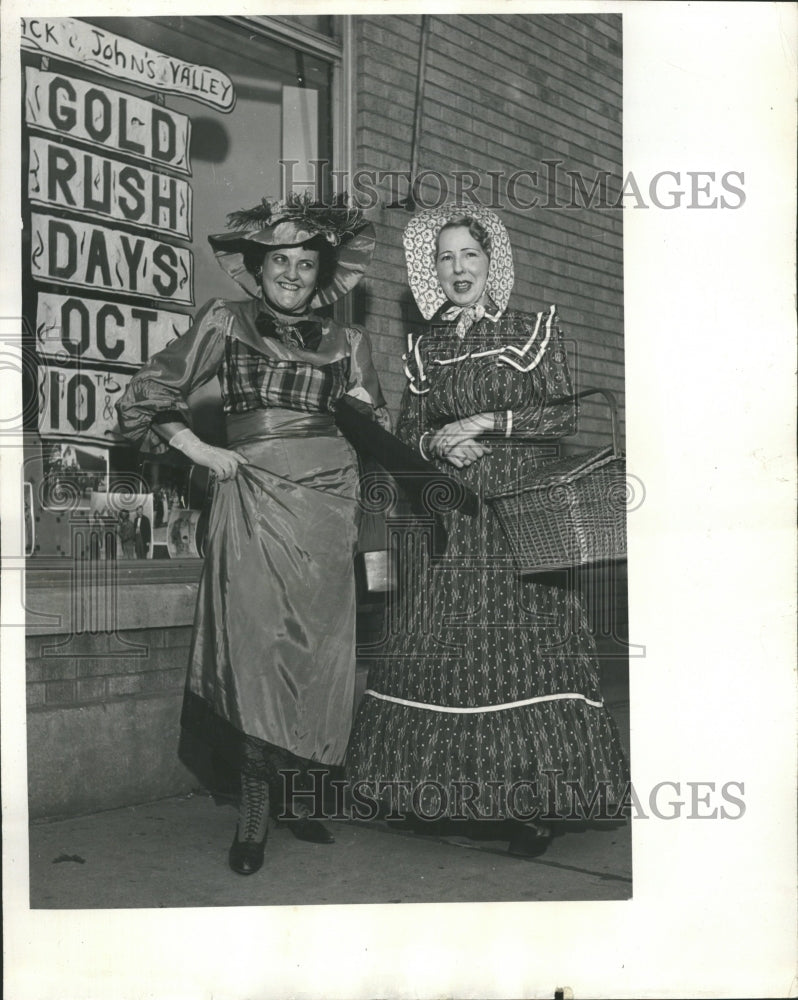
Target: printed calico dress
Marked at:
272, 664
485, 676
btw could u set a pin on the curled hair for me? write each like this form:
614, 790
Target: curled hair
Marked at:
255, 255
474, 227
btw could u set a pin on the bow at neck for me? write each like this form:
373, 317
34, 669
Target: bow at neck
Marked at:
467, 316
303, 331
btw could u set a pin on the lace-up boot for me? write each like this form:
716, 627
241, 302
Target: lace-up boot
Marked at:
249, 843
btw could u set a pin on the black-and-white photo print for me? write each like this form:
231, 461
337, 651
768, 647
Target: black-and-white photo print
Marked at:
339, 430
461, 291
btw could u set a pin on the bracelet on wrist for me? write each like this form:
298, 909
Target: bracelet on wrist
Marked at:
422, 449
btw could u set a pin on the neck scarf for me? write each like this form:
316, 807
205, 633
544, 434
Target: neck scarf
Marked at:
467, 316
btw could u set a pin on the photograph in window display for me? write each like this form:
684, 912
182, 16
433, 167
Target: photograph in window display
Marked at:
72, 472
121, 524
489, 680
271, 677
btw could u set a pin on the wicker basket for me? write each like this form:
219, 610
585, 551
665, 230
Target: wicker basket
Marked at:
570, 512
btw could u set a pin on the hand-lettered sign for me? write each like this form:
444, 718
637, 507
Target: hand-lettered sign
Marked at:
81, 255
78, 42
80, 402
66, 177
109, 118
72, 328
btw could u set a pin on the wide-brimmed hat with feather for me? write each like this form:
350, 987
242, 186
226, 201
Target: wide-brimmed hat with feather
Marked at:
292, 222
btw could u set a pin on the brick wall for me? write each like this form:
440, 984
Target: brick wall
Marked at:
503, 94
70, 671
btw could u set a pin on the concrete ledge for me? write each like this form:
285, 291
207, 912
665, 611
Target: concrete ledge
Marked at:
94, 757
109, 597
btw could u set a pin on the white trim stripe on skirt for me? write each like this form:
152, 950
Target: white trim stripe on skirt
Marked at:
484, 708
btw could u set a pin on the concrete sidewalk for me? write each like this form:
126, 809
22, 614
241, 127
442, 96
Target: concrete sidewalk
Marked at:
174, 853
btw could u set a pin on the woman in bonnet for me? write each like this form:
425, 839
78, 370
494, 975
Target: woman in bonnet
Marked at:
272, 667
488, 685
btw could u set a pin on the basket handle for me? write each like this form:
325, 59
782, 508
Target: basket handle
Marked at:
611, 402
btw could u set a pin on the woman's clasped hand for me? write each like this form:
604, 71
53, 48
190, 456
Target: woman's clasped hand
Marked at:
458, 441
488, 679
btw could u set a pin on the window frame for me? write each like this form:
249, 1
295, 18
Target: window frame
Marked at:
337, 51
47, 573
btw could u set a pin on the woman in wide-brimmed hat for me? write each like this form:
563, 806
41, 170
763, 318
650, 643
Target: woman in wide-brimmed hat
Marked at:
272, 667
485, 699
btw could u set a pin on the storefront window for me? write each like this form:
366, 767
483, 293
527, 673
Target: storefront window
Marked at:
139, 136
322, 24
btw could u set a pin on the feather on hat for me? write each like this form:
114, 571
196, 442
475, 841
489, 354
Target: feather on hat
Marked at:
292, 222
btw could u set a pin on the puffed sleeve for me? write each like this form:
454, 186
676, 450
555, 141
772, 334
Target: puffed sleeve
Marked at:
543, 417
158, 392
364, 383
411, 422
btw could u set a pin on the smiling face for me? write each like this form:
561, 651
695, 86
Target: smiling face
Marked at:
289, 277
462, 266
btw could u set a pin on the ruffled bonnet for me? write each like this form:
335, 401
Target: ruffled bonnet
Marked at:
420, 238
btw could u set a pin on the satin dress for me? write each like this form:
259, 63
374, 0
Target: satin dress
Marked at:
272, 662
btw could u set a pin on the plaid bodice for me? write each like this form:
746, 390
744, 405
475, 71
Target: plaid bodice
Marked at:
251, 380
